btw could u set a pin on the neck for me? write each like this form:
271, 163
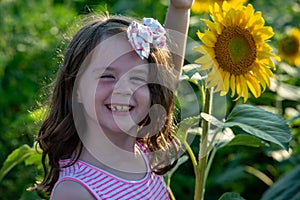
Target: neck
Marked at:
112, 149
104, 138
123, 141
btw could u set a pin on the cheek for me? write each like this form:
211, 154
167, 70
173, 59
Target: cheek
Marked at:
87, 89
90, 94
102, 92
148, 97
144, 97
88, 104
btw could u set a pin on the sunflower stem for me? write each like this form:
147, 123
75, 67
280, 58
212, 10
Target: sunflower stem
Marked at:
204, 151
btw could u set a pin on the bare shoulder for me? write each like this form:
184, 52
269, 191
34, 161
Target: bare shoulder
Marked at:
71, 190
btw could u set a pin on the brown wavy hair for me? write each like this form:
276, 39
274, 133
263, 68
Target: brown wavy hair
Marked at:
58, 136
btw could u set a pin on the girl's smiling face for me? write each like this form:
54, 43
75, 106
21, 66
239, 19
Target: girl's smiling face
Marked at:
113, 89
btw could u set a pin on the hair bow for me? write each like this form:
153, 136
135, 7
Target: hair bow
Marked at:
141, 35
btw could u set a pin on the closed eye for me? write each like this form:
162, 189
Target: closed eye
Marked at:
107, 76
138, 79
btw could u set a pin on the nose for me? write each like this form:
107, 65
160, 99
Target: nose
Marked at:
123, 87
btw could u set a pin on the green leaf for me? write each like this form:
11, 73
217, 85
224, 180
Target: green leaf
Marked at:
190, 70
261, 124
288, 187
195, 131
211, 119
262, 134
33, 159
191, 73
185, 125
245, 140
16, 157
231, 196
196, 82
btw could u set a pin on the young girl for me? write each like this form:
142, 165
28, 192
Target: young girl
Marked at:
109, 132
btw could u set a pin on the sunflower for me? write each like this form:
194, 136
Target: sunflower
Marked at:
289, 48
200, 6
234, 51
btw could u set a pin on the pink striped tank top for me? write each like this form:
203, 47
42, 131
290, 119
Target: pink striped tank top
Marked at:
106, 186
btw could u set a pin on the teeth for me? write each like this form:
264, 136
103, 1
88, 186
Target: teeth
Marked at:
119, 108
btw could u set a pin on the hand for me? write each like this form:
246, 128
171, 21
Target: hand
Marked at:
182, 4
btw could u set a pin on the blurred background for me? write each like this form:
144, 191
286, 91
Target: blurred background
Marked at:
33, 35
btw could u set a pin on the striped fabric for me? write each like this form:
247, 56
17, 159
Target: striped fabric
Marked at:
106, 186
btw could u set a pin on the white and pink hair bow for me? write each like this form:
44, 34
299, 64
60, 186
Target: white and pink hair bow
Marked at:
142, 35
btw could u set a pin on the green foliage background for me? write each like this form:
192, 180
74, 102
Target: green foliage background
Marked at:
33, 35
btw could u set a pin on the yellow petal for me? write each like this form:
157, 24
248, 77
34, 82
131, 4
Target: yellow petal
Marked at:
232, 85
253, 85
199, 34
213, 79
205, 50
226, 6
206, 58
249, 11
265, 32
226, 81
209, 38
201, 49
261, 80
244, 88
206, 66
264, 74
220, 86
238, 87
209, 24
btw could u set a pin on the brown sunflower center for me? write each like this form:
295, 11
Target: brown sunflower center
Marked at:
289, 46
235, 50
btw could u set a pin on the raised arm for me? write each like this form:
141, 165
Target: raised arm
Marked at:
177, 23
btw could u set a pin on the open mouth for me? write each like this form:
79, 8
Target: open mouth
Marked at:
119, 108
